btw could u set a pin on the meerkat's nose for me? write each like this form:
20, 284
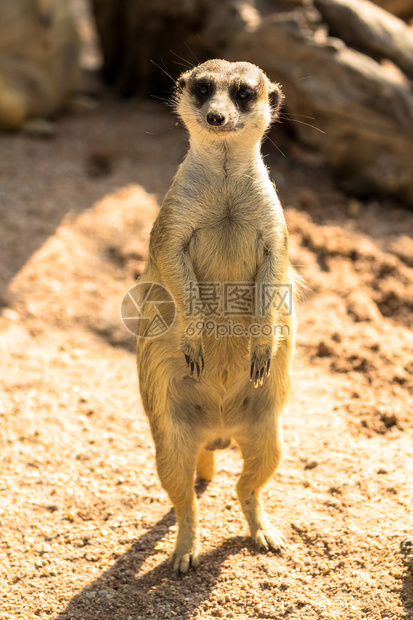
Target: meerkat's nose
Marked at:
214, 118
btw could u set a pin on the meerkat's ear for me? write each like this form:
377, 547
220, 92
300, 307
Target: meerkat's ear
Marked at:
182, 80
276, 97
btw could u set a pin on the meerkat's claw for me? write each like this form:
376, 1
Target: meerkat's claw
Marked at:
182, 562
269, 539
195, 367
260, 364
256, 379
257, 373
194, 358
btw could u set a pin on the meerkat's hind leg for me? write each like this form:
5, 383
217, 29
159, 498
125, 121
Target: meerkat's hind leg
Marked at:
261, 455
175, 460
206, 465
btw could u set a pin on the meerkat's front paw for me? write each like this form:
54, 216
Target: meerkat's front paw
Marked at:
194, 356
184, 557
269, 538
260, 363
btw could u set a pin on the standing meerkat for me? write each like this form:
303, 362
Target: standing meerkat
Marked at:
220, 247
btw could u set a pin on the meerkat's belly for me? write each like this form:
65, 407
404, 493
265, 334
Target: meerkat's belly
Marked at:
225, 251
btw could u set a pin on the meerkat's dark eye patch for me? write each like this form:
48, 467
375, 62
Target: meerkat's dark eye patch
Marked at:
202, 90
243, 95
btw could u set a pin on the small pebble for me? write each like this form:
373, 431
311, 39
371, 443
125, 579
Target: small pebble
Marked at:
324, 350
310, 465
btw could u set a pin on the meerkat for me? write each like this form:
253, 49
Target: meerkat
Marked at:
39, 61
220, 225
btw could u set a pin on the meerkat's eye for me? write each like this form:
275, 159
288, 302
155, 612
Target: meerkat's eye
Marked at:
242, 94
203, 90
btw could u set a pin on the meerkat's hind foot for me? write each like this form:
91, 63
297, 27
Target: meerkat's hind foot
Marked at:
269, 538
182, 562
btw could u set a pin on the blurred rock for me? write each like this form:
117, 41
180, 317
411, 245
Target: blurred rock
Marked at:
401, 8
369, 29
363, 116
39, 54
356, 112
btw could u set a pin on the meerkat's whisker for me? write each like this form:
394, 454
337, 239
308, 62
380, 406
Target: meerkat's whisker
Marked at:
290, 115
191, 52
295, 120
276, 146
180, 64
163, 70
163, 99
188, 64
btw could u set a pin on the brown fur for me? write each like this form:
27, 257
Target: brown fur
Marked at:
221, 221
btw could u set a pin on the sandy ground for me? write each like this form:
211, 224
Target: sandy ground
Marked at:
86, 529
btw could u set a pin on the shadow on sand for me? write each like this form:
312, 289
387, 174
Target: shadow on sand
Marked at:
159, 593
406, 594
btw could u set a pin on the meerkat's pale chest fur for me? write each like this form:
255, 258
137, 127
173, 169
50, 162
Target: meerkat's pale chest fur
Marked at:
220, 226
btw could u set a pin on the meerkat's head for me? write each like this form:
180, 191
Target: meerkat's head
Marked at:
221, 100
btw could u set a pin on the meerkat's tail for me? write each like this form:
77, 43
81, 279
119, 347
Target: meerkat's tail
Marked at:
206, 465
